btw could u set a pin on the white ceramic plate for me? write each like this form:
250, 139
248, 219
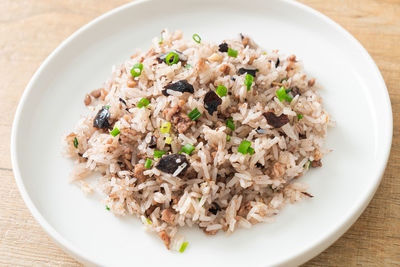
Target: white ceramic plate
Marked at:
354, 93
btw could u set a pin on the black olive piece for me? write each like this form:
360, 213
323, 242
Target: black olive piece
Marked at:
302, 136
153, 142
101, 119
241, 36
172, 162
276, 121
211, 102
248, 71
122, 100
223, 47
214, 208
277, 63
233, 79
179, 86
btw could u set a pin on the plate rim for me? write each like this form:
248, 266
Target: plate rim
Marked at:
297, 258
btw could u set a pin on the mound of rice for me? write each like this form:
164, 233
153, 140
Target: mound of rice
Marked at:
215, 186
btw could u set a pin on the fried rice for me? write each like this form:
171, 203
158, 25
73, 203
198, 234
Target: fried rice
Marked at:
196, 133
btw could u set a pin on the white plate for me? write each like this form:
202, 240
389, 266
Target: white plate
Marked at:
354, 94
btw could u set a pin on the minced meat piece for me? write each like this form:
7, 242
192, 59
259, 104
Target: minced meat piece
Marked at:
168, 216
138, 173
165, 237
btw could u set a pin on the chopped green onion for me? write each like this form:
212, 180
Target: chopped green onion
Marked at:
159, 153
199, 199
174, 60
76, 143
196, 38
137, 69
165, 127
188, 66
144, 102
264, 53
299, 116
281, 94
228, 138
115, 132
230, 124
148, 221
232, 52
251, 150
107, 208
107, 106
244, 147
288, 90
168, 140
221, 90
161, 39
188, 148
248, 81
194, 114
148, 163
308, 164
183, 247
284, 79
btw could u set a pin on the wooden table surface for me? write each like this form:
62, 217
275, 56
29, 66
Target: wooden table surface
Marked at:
30, 30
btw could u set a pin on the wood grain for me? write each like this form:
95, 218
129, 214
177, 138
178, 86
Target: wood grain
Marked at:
30, 30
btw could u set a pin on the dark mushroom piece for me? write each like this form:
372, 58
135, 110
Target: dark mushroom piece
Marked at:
179, 86
101, 119
276, 121
211, 102
223, 47
171, 163
153, 142
252, 72
277, 63
260, 130
214, 208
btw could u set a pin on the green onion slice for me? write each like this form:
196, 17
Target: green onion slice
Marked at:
76, 143
284, 79
171, 55
188, 66
183, 247
168, 140
188, 149
244, 147
232, 52
148, 221
221, 90
137, 69
144, 102
158, 153
299, 116
228, 138
107, 106
148, 163
107, 208
230, 124
194, 114
115, 132
250, 150
196, 38
248, 81
165, 127
281, 94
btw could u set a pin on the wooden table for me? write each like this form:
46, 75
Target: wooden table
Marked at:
30, 30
